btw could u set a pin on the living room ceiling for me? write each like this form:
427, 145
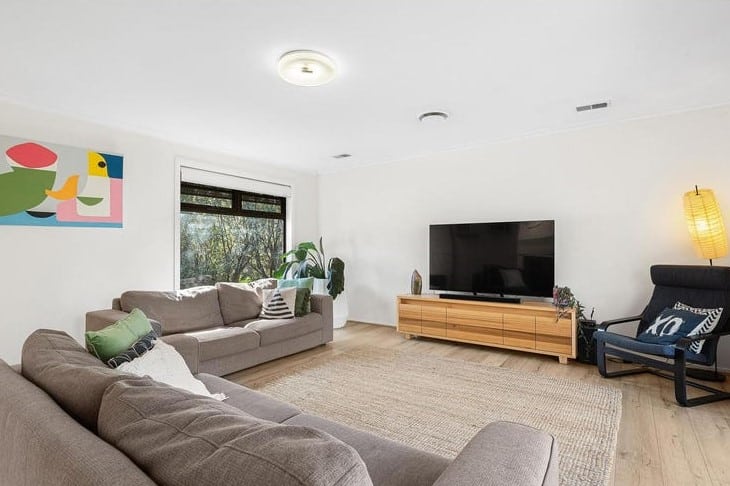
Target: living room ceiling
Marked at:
204, 72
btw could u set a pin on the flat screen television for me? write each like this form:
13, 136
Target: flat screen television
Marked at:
514, 258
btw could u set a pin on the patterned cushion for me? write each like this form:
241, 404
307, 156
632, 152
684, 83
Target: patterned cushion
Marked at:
279, 303
708, 325
671, 325
137, 349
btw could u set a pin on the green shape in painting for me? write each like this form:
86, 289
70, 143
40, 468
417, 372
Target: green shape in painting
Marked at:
90, 201
23, 189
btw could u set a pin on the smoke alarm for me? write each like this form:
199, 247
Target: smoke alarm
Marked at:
433, 116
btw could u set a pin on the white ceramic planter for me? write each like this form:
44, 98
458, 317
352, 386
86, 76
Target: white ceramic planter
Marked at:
320, 286
340, 310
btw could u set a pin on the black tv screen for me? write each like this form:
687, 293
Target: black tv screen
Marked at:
515, 258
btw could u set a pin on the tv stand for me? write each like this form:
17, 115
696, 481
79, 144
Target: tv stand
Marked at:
482, 298
534, 327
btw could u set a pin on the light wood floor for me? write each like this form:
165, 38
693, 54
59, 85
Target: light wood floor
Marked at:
660, 443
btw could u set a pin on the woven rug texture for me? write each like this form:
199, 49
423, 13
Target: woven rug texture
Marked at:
438, 404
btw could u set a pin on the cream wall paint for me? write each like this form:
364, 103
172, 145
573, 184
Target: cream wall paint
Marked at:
51, 276
614, 191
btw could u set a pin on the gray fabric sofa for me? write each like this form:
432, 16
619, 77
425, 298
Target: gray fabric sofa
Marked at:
156, 434
217, 329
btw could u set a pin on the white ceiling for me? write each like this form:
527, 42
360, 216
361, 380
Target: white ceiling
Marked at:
204, 72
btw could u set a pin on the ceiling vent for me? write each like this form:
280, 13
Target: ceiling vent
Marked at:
341, 156
595, 106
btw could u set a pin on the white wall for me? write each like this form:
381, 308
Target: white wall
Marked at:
614, 191
49, 277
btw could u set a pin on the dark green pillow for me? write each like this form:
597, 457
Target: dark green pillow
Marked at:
303, 304
118, 337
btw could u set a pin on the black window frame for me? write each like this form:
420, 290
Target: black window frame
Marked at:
236, 209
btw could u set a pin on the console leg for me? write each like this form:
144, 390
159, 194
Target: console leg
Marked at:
408, 336
563, 359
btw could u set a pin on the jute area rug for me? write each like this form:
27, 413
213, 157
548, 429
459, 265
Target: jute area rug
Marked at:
438, 404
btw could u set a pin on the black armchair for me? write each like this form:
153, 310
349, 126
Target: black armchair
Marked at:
697, 286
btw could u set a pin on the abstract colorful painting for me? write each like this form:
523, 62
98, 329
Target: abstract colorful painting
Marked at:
45, 184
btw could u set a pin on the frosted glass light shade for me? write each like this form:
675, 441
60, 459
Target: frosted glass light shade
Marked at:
705, 224
306, 68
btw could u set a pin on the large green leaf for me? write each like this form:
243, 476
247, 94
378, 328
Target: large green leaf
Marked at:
306, 245
336, 283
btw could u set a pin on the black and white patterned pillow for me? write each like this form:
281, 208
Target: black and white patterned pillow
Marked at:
140, 347
707, 326
279, 303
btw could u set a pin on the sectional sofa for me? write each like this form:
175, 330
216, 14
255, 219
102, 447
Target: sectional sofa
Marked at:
217, 328
66, 418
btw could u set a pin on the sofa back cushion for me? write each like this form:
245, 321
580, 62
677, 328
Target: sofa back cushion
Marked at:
177, 311
42, 445
182, 439
238, 301
76, 380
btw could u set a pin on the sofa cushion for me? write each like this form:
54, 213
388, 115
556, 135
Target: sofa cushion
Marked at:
250, 401
278, 303
42, 445
277, 330
181, 439
118, 337
224, 341
60, 366
165, 365
137, 349
304, 288
389, 463
238, 302
177, 311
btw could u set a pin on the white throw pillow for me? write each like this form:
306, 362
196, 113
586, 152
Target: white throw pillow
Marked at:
164, 364
279, 303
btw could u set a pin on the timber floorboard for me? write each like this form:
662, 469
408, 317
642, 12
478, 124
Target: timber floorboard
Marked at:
659, 443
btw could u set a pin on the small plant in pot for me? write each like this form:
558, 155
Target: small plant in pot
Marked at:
564, 299
306, 260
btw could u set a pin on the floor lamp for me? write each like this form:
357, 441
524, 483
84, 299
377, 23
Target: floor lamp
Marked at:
709, 237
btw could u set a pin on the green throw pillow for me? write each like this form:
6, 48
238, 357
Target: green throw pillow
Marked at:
118, 337
303, 304
300, 283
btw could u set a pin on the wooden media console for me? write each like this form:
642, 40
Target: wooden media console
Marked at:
532, 326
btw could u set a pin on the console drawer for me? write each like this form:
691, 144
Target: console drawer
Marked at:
433, 320
554, 336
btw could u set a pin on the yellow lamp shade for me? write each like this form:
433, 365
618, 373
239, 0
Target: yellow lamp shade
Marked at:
704, 221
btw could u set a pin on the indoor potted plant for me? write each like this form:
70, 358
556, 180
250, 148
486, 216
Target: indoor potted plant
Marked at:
308, 260
564, 299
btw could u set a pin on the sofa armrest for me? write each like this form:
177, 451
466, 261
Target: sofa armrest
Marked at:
505, 453
188, 347
322, 304
96, 320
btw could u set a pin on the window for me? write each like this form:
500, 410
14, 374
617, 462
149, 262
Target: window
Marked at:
228, 235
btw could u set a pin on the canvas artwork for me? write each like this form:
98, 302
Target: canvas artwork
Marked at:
45, 184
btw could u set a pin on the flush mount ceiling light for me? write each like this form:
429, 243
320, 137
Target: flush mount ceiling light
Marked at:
432, 116
306, 68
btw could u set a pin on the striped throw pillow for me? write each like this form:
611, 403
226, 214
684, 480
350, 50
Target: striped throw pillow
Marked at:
136, 350
707, 326
278, 303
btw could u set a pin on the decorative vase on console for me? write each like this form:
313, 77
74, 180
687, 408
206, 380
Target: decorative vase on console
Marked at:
416, 283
